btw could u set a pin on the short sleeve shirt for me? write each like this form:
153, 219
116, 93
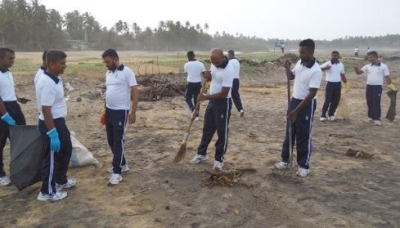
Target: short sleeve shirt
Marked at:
306, 77
221, 77
119, 83
375, 73
50, 92
194, 70
334, 74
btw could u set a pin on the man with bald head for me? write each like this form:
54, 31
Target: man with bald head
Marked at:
218, 110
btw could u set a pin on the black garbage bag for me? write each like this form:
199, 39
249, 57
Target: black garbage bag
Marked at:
391, 113
27, 156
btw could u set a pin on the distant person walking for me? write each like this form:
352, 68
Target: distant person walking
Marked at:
218, 111
376, 71
307, 76
122, 94
194, 70
10, 111
335, 73
235, 86
283, 47
356, 50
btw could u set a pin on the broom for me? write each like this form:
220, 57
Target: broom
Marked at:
182, 150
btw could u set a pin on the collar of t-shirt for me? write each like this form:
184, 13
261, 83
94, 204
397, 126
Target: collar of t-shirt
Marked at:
3, 70
120, 68
376, 64
191, 60
52, 76
335, 62
43, 68
310, 64
224, 63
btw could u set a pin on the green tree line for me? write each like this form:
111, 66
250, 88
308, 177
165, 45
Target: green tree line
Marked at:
30, 26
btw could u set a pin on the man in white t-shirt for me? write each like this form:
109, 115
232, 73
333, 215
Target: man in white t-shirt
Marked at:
375, 72
42, 68
194, 70
334, 75
10, 111
58, 146
307, 77
218, 110
356, 52
122, 95
235, 86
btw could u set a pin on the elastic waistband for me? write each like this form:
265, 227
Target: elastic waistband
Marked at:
10, 102
374, 85
339, 82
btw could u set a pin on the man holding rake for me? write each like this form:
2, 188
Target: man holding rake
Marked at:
307, 77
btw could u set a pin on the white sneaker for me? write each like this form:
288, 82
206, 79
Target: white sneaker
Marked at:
218, 165
282, 165
369, 120
332, 118
124, 168
54, 197
322, 119
70, 183
241, 113
377, 122
196, 119
4, 181
301, 172
198, 158
114, 179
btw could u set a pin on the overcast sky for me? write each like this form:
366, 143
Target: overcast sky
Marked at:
284, 19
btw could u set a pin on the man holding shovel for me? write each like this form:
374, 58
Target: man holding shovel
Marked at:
218, 110
307, 77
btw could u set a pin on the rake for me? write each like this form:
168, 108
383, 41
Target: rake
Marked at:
182, 150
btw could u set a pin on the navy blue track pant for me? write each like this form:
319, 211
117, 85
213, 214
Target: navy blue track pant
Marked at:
373, 96
192, 91
216, 118
55, 165
15, 112
236, 95
301, 134
115, 126
332, 98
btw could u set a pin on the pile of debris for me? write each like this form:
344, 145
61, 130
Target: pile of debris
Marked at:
154, 88
226, 178
253, 62
151, 87
292, 58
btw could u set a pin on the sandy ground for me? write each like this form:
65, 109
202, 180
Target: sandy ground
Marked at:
341, 191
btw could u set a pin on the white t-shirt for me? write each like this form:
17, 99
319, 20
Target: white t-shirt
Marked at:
236, 67
333, 74
119, 83
375, 74
7, 89
50, 92
221, 77
38, 73
356, 50
194, 70
306, 78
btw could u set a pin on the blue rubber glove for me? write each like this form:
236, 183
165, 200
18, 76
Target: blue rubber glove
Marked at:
55, 143
8, 119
